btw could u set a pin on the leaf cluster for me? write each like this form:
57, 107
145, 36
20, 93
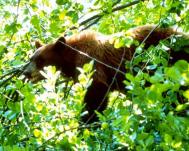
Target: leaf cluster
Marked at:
151, 114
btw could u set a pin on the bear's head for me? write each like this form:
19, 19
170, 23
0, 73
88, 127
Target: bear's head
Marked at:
45, 55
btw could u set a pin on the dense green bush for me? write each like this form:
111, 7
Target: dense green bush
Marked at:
151, 114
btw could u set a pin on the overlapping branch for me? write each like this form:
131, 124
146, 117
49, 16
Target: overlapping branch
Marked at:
86, 23
94, 19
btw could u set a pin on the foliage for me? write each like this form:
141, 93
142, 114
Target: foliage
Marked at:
153, 112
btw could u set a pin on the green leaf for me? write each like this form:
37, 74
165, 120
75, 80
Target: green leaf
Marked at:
86, 133
156, 78
182, 65
186, 94
139, 50
37, 133
62, 2
73, 15
88, 67
35, 21
1, 47
12, 28
151, 67
181, 107
149, 141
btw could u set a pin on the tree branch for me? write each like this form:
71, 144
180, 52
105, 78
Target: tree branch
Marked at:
15, 72
97, 17
90, 19
126, 5
94, 22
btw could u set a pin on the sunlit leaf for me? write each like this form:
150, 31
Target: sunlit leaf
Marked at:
37, 133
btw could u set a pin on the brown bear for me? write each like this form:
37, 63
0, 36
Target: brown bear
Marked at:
67, 53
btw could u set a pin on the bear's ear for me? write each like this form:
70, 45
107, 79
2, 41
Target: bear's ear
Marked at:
60, 42
38, 44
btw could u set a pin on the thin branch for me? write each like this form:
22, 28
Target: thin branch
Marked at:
90, 19
144, 40
22, 116
86, 55
97, 17
115, 3
15, 72
126, 5
109, 87
94, 22
62, 132
9, 73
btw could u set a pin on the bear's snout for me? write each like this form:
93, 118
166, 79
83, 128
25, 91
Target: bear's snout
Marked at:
32, 73
27, 74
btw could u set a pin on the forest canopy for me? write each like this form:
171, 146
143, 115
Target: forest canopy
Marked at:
151, 114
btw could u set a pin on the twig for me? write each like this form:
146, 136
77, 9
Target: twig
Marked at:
90, 19
110, 86
84, 54
94, 22
126, 5
97, 17
22, 116
115, 3
144, 40
73, 128
9, 73
16, 72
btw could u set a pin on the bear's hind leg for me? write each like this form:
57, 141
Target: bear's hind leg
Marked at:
95, 99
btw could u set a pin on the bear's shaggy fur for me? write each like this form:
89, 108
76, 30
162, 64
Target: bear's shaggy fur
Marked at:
64, 56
